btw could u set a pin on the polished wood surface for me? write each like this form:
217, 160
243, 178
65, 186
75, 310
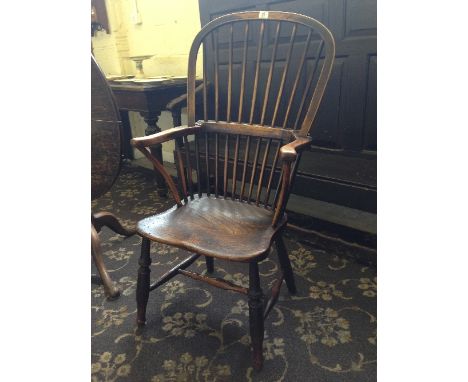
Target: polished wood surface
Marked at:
213, 216
221, 228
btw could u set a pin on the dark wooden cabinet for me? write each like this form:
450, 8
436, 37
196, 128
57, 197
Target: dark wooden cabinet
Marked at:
341, 167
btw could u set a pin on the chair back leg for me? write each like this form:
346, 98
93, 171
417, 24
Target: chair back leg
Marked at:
285, 264
256, 320
143, 282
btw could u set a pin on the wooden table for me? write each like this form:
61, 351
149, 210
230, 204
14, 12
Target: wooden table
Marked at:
149, 99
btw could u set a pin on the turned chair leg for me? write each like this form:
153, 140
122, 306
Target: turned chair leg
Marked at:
209, 264
143, 282
111, 291
285, 264
256, 316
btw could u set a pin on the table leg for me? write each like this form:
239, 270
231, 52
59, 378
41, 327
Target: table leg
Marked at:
176, 117
110, 289
152, 127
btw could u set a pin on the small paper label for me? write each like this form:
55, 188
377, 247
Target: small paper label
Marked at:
263, 15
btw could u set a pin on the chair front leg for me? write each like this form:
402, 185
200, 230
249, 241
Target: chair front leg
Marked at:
256, 316
143, 282
285, 264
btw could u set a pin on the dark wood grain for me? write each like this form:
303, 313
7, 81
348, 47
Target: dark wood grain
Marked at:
244, 62
197, 164
244, 171
256, 320
262, 171
246, 129
270, 74
143, 282
215, 281
174, 271
285, 264
234, 172
257, 70
275, 291
254, 168
307, 88
180, 169
229, 90
272, 173
283, 80
221, 228
296, 80
216, 79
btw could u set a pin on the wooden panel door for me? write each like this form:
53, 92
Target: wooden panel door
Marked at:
341, 167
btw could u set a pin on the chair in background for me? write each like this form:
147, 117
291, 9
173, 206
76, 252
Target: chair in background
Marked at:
105, 167
235, 175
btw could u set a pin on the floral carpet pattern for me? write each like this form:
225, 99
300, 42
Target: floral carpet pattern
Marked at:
194, 332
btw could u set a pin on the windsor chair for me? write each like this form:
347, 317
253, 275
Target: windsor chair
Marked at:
231, 205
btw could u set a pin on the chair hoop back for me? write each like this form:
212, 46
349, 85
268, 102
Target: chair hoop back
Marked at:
280, 105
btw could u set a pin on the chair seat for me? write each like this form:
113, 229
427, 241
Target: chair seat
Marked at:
216, 227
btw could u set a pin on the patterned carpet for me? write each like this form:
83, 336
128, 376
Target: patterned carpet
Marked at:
195, 332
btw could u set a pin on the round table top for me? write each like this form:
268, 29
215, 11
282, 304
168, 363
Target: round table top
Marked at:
105, 134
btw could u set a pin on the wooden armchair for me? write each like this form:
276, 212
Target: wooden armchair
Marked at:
234, 177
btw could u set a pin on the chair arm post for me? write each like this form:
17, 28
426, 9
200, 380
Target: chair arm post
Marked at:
285, 184
143, 144
288, 155
160, 168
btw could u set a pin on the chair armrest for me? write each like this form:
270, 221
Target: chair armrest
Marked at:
288, 152
180, 101
143, 143
164, 136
